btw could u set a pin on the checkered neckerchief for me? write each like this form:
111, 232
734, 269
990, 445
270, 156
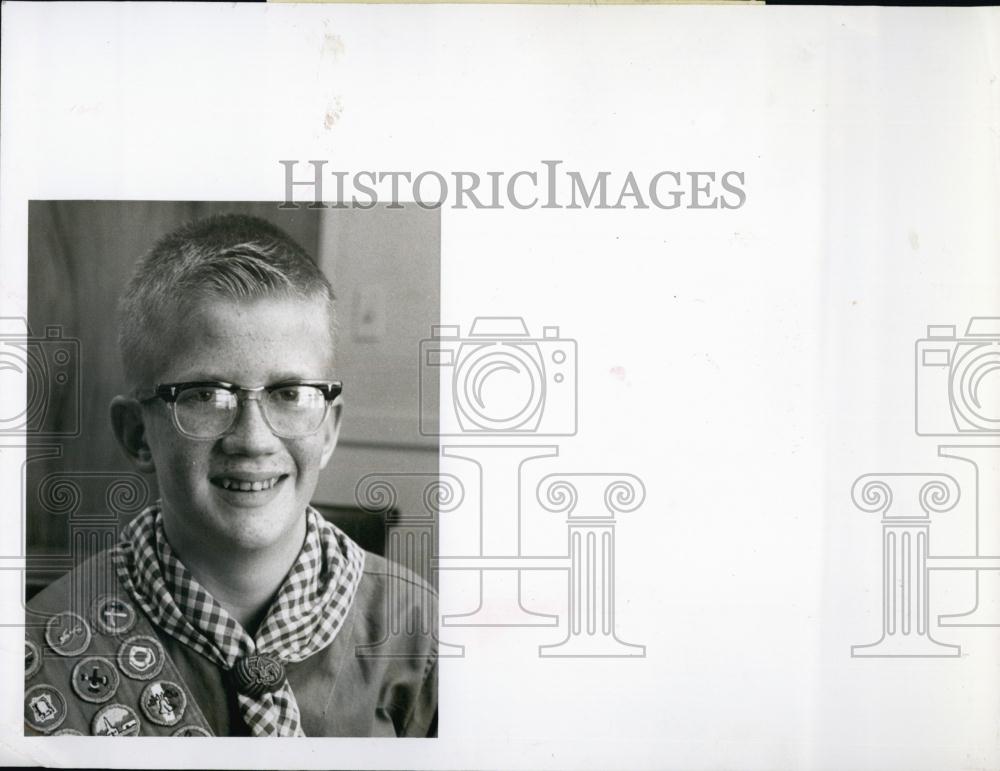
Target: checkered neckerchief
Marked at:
303, 619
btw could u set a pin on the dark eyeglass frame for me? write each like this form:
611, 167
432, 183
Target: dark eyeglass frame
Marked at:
170, 392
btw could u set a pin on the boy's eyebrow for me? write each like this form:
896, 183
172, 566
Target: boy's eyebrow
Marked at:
206, 377
199, 376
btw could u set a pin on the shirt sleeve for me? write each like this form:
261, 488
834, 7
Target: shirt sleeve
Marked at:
422, 721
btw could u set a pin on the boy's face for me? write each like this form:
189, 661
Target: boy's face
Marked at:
251, 343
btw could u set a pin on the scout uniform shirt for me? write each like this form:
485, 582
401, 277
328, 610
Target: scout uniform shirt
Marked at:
130, 644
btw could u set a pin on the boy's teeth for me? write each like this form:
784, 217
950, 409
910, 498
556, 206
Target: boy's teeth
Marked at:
246, 487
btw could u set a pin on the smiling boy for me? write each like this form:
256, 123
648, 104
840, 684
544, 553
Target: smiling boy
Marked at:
231, 607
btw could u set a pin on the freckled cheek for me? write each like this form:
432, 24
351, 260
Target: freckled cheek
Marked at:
307, 463
185, 468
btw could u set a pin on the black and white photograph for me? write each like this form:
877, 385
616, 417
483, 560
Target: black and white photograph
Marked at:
470, 385
192, 567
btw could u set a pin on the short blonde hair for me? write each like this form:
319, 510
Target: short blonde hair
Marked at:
231, 256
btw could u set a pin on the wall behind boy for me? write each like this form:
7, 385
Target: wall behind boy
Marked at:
81, 254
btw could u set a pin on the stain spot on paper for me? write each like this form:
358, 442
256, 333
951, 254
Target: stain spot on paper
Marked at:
87, 108
333, 112
333, 46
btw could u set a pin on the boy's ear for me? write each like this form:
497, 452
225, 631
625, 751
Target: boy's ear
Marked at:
130, 431
331, 430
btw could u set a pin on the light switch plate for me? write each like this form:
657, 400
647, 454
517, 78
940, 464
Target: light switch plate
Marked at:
368, 319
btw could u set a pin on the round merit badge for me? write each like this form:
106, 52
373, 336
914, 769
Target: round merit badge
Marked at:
115, 720
141, 657
32, 659
67, 634
95, 679
163, 702
67, 732
190, 730
113, 615
44, 707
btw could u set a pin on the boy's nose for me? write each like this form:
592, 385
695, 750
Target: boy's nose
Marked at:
250, 433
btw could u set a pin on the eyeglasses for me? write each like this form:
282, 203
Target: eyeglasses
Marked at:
209, 409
